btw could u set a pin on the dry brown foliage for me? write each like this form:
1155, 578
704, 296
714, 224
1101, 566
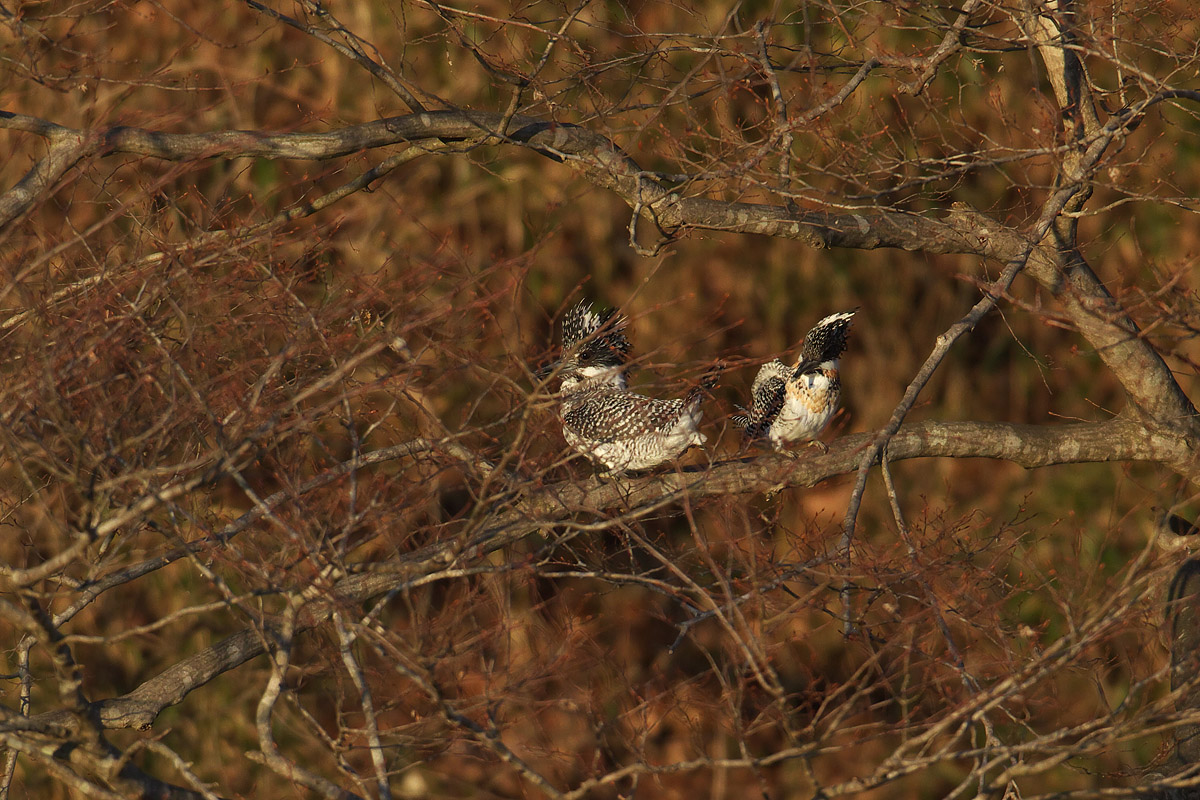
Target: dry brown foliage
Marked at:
286, 511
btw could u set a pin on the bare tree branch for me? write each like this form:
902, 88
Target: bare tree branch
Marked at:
260, 401
1087, 304
1028, 446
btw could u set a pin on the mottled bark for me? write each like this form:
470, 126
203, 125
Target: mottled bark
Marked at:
600, 502
1062, 270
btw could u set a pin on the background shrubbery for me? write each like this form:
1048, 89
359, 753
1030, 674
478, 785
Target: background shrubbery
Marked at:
168, 370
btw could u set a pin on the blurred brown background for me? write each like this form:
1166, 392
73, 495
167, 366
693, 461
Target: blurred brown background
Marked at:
472, 260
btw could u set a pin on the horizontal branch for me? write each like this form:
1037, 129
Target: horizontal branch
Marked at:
596, 155
1086, 302
1030, 446
590, 152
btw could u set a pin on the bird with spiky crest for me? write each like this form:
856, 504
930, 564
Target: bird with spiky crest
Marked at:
601, 418
794, 404
594, 347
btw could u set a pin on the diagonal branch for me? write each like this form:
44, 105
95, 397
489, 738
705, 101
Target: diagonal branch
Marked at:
351, 47
67, 148
1087, 304
1030, 446
1049, 215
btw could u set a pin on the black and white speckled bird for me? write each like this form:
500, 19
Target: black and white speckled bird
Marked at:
605, 421
792, 404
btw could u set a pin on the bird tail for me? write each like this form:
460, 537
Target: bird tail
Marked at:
741, 420
826, 341
691, 401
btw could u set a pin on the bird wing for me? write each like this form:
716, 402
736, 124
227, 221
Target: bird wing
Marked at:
612, 416
772, 370
766, 396
767, 403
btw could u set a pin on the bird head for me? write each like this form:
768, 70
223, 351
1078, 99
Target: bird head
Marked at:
594, 347
825, 343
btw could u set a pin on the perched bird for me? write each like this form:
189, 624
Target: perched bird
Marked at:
791, 404
601, 418
594, 348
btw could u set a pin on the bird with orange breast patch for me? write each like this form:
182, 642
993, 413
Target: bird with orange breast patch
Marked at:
794, 404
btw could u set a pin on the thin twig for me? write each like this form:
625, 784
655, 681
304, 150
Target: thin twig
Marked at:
351, 48
941, 348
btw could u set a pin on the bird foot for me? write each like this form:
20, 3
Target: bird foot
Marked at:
605, 474
794, 454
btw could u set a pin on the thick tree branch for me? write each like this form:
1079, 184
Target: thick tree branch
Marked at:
67, 148
1030, 446
1062, 268
1086, 302
1183, 615
1049, 25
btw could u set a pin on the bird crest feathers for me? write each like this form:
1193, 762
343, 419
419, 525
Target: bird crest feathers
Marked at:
826, 340
598, 337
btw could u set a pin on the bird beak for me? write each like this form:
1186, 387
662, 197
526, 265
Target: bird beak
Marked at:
803, 367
